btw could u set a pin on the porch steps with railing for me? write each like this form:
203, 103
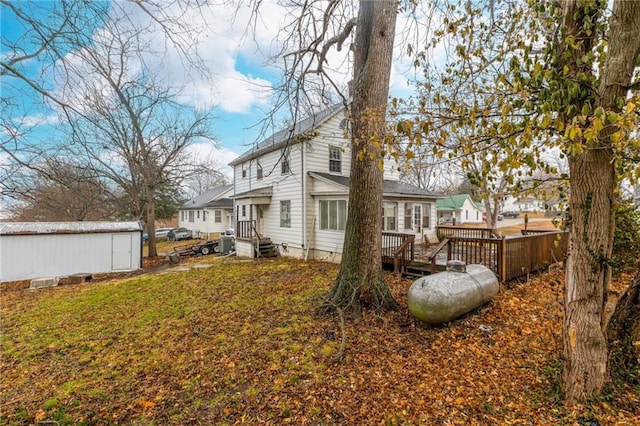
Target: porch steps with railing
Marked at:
266, 248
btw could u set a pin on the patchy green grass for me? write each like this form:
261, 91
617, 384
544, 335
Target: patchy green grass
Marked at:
241, 344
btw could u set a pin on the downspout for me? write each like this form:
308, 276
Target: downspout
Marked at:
304, 198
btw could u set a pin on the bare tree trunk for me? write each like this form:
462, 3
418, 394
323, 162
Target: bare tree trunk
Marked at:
360, 280
151, 221
592, 205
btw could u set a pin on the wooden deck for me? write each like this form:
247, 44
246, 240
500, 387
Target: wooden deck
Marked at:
508, 257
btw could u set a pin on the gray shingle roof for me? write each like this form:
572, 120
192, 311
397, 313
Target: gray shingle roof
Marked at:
206, 198
281, 138
389, 187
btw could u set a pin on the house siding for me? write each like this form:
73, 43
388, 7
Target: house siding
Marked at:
305, 238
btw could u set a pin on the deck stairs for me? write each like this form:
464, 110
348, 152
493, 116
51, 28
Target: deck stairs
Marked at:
265, 248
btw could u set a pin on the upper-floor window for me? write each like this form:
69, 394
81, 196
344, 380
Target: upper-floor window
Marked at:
335, 159
259, 171
244, 171
286, 168
285, 214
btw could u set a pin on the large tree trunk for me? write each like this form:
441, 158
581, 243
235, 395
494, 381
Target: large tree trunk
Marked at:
592, 203
360, 280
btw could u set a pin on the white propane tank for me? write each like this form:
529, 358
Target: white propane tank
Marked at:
438, 298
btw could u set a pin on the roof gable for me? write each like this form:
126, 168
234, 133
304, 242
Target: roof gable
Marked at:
454, 202
283, 137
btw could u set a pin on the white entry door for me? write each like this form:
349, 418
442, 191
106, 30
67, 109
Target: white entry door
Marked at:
417, 218
121, 252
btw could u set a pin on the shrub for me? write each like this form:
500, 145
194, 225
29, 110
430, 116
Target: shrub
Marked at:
626, 244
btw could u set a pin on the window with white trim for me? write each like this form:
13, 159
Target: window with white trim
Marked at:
285, 165
217, 216
335, 159
285, 214
190, 215
389, 217
333, 215
259, 171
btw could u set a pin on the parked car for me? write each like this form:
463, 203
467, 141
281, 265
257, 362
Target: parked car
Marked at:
177, 234
511, 214
162, 232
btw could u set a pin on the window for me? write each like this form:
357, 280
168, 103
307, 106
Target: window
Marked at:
198, 214
335, 159
182, 216
426, 216
408, 216
285, 214
333, 215
217, 216
285, 161
389, 211
244, 211
244, 171
466, 214
190, 215
259, 171
204, 215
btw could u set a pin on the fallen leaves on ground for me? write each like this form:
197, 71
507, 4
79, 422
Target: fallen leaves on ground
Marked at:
242, 344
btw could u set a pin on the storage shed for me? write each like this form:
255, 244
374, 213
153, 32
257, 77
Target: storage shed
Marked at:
53, 249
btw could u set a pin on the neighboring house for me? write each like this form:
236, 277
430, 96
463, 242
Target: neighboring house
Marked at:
459, 209
209, 214
522, 204
293, 189
56, 249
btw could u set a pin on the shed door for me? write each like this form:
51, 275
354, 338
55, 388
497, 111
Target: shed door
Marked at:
121, 252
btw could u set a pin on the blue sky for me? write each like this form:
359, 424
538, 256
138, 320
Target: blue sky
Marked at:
240, 82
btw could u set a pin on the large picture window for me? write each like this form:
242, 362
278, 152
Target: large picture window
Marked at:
335, 159
333, 215
285, 214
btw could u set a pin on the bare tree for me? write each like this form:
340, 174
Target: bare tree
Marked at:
126, 122
62, 192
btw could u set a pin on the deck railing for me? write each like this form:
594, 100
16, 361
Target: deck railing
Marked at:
398, 250
445, 231
245, 229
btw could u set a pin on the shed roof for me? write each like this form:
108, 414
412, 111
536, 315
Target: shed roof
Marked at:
33, 228
281, 138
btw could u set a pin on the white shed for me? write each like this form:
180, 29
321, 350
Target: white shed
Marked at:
54, 249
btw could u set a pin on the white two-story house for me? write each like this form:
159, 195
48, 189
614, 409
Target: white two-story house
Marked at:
293, 188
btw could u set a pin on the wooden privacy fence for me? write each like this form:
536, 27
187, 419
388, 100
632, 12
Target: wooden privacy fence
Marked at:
512, 257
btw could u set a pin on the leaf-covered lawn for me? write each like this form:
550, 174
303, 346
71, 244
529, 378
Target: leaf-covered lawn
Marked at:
241, 344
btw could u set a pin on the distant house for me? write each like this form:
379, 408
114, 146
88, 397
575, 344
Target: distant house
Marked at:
293, 189
209, 214
458, 209
523, 204
55, 249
